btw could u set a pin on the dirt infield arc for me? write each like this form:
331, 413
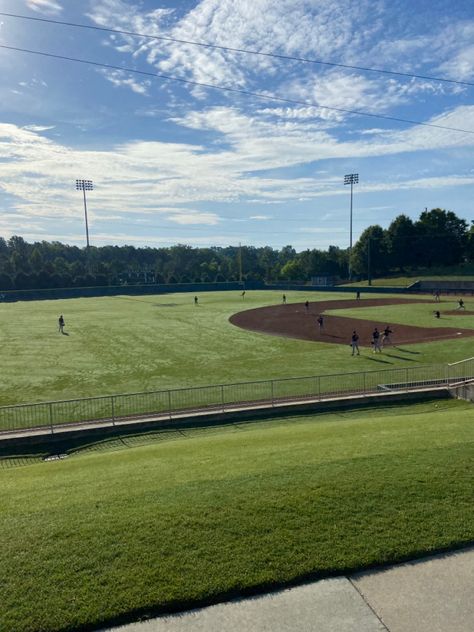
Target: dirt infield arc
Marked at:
293, 320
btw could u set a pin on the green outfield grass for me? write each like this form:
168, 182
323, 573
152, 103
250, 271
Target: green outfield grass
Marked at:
419, 314
128, 344
122, 529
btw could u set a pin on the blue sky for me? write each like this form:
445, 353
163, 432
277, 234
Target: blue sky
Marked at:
177, 163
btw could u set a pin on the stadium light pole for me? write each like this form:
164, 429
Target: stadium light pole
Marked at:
351, 178
240, 262
85, 185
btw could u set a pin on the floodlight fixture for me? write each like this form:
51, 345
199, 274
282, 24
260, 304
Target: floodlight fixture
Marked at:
85, 185
351, 178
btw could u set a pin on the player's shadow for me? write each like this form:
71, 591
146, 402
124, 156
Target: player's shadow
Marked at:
64, 333
379, 360
392, 355
406, 350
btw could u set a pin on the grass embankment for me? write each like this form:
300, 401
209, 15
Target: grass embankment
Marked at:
466, 274
113, 533
129, 344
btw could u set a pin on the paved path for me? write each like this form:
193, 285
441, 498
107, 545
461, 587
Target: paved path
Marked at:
432, 595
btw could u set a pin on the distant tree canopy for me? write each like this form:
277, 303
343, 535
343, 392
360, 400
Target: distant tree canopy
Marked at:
437, 238
53, 264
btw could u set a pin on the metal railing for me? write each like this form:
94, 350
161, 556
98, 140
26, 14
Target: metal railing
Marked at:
170, 404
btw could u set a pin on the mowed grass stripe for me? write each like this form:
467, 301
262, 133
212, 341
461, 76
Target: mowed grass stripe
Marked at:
108, 534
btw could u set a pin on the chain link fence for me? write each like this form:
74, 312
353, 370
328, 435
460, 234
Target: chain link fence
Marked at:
173, 403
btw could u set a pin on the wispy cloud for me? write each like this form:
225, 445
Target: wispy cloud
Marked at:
50, 7
38, 128
193, 217
121, 79
39, 172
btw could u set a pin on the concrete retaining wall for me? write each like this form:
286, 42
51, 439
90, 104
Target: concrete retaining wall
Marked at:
466, 391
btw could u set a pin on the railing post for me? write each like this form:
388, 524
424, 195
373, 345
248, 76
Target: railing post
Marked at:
272, 392
51, 417
364, 387
169, 404
406, 379
112, 403
319, 387
222, 398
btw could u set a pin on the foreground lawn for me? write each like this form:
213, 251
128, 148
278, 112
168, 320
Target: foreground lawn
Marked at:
129, 344
124, 529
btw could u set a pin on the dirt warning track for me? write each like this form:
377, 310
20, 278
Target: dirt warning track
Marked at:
293, 320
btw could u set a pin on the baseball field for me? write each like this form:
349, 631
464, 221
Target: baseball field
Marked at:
157, 522
128, 344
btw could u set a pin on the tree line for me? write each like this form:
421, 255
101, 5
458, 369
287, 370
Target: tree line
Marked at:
437, 238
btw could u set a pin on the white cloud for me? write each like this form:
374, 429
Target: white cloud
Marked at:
50, 7
121, 79
461, 64
38, 128
193, 217
288, 27
167, 179
343, 31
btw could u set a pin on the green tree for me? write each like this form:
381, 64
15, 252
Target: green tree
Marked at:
402, 243
443, 237
370, 254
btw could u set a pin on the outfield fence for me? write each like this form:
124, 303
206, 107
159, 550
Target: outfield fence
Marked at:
175, 403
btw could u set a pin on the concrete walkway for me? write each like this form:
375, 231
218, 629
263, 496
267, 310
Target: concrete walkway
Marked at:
432, 595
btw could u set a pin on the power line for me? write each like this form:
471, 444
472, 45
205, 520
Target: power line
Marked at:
230, 49
258, 95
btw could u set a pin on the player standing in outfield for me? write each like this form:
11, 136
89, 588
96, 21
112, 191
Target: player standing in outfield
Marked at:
386, 340
355, 342
307, 305
243, 295
461, 304
437, 314
358, 295
437, 298
376, 340
283, 298
196, 300
61, 324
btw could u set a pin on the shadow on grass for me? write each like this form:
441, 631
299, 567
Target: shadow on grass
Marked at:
398, 357
406, 350
378, 360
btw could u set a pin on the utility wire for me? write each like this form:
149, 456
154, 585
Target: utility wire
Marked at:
259, 95
238, 50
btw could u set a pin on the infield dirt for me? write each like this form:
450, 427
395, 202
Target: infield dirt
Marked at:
294, 320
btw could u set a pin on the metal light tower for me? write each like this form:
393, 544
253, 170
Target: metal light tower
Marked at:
351, 178
85, 185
